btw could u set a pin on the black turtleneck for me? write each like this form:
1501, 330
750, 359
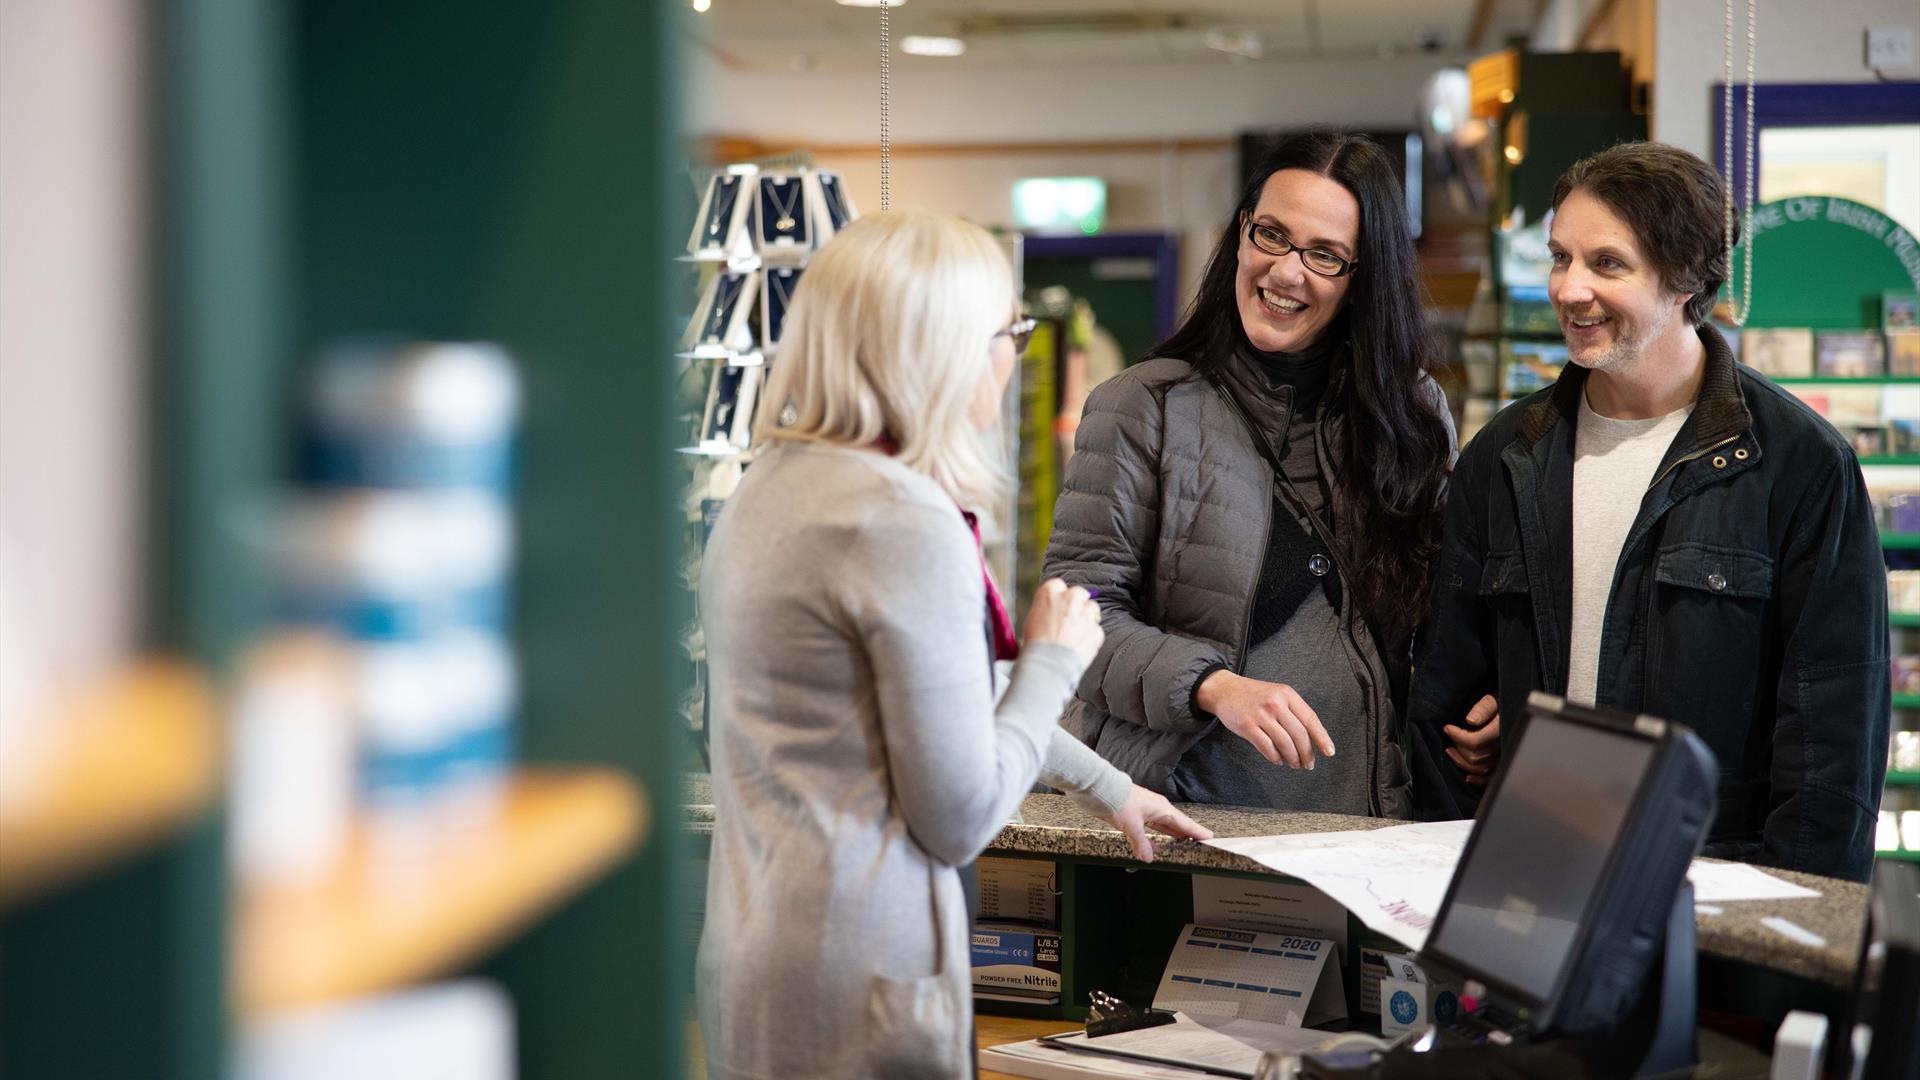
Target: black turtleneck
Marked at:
1282, 394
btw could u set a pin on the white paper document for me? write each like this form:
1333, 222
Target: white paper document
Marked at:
1215, 974
1392, 879
1175, 1051
1718, 882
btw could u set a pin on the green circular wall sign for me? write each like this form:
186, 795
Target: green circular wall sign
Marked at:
1822, 262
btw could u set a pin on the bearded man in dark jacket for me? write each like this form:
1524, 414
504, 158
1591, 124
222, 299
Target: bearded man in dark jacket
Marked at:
1667, 532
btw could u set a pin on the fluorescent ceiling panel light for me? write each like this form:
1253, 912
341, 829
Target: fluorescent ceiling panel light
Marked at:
932, 46
1241, 43
869, 3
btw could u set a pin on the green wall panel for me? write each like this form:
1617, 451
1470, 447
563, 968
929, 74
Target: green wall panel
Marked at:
502, 171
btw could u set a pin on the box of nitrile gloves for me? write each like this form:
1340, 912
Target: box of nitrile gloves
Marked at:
1016, 961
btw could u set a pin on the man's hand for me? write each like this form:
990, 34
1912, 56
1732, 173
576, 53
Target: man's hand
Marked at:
1146, 810
1476, 747
1270, 716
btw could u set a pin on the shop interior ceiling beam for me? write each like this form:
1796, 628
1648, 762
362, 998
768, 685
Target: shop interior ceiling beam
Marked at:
1477, 26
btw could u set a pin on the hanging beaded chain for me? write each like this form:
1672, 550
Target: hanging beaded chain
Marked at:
1738, 314
886, 71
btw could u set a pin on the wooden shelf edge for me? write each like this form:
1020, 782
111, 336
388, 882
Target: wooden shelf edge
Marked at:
365, 930
136, 758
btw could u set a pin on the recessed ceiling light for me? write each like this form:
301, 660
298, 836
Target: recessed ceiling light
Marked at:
869, 3
1242, 44
702, 5
932, 46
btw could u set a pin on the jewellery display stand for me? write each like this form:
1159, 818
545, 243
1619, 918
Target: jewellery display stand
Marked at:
754, 232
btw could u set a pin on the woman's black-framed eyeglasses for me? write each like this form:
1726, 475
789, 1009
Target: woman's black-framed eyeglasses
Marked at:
1319, 260
1021, 331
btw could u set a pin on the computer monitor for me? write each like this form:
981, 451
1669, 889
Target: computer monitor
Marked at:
1886, 998
1560, 902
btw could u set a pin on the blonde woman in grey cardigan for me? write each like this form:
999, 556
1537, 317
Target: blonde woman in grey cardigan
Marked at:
859, 759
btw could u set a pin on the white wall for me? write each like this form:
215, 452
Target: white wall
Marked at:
1186, 191
1065, 104
72, 177
964, 136
1798, 41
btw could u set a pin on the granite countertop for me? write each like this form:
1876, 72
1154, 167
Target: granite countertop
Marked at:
1051, 825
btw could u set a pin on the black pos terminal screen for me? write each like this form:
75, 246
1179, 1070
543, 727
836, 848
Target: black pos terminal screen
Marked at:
1520, 897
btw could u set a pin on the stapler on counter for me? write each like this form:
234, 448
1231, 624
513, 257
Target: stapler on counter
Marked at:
1108, 1015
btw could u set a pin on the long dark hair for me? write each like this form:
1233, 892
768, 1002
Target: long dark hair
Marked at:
1393, 447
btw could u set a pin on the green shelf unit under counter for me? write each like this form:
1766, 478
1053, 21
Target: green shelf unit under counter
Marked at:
1906, 701
1890, 459
1904, 619
1910, 856
1893, 541
1897, 778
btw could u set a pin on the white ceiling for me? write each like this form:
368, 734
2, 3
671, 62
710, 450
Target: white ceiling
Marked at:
821, 35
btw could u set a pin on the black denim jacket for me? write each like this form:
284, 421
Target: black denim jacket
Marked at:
1750, 604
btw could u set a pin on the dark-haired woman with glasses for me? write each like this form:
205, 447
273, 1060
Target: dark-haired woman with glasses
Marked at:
1257, 504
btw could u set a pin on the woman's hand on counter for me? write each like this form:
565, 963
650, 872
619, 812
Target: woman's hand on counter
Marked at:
1476, 747
1065, 615
1270, 716
1147, 810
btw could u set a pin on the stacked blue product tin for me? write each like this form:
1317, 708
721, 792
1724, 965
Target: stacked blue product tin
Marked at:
404, 548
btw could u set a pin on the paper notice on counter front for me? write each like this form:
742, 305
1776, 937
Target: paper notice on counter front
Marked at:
1022, 889
1278, 907
1718, 882
1391, 879
1271, 907
1216, 975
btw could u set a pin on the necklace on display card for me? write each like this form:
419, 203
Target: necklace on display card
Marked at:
730, 399
720, 228
782, 212
722, 318
775, 300
832, 210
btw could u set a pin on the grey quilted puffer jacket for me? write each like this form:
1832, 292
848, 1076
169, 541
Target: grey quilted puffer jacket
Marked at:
1165, 509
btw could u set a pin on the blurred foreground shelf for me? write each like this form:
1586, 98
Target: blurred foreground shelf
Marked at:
362, 931
133, 759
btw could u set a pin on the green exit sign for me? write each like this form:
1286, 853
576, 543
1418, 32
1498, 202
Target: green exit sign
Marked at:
1060, 204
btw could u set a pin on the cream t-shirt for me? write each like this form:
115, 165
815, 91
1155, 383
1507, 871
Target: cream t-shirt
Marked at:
1613, 463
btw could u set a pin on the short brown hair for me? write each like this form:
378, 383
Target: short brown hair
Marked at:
1675, 204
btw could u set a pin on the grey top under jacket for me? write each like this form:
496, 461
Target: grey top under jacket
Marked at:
858, 759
